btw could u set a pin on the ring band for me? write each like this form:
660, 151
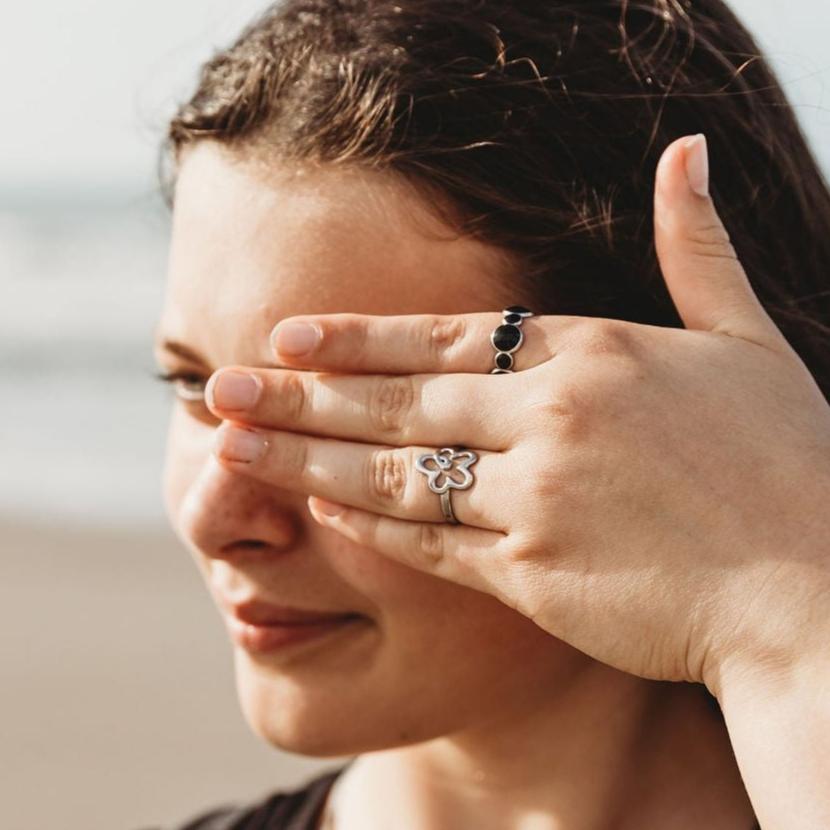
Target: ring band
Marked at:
507, 338
441, 467
446, 508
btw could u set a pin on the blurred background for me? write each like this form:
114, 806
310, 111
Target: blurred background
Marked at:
118, 708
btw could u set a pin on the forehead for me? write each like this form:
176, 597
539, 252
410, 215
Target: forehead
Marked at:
254, 243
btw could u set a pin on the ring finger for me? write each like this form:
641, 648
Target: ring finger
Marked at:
378, 478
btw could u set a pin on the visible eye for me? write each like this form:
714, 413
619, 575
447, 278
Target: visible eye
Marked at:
189, 386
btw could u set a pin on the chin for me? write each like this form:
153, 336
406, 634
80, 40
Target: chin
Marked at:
315, 700
327, 714
293, 713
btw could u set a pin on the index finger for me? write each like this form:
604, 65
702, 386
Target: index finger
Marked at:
411, 343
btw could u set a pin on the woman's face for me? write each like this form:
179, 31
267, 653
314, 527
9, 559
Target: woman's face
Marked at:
250, 247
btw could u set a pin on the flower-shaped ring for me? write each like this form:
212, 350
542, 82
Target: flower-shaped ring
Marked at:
438, 468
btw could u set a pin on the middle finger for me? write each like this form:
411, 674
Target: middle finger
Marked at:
437, 410
378, 478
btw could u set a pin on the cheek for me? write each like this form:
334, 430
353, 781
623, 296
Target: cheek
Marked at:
447, 635
186, 451
451, 657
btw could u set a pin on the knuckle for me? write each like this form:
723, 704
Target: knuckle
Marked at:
295, 394
547, 483
387, 476
431, 543
352, 331
391, 403
606, 336
443, 336
526, 552
712, 241
292, 457
565, 413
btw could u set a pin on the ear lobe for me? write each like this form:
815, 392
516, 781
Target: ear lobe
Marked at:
705, 278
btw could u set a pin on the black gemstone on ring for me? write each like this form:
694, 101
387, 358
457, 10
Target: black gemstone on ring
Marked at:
507, 338
504, 360
513, 319
518, 309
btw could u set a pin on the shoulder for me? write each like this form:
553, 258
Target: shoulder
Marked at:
297, 809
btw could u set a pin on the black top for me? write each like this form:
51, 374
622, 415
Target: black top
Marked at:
298, 809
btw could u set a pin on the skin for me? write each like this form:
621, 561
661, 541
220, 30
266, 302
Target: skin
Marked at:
465, 711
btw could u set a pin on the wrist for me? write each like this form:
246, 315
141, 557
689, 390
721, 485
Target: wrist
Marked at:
778, 720
794, 655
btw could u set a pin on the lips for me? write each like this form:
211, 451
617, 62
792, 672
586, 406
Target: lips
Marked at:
260, 613
262, 628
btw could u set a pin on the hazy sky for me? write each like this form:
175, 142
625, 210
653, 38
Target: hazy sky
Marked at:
87, 84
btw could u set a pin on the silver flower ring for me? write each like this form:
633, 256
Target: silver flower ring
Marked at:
438, 468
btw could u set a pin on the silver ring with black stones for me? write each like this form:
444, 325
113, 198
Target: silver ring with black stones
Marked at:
508, 337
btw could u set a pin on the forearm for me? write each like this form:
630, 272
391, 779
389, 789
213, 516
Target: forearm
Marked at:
779, 724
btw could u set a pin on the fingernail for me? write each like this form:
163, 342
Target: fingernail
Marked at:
236, 444
234, 390
295, 338
329, 508
697, 164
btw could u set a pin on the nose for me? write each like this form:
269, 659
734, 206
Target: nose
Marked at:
224, 514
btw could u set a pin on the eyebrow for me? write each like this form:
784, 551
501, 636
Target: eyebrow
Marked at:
181, 350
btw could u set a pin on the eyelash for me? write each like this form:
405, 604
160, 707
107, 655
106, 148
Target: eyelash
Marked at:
184, 394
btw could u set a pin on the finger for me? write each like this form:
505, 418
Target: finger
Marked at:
372, 477
466, 555
437, 410
707, 282
412, 343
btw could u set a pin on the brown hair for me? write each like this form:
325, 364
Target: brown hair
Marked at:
536, 125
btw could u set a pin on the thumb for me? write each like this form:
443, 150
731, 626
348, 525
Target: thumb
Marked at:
705, 278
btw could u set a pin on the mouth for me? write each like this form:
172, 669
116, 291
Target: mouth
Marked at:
261, 627
264, 639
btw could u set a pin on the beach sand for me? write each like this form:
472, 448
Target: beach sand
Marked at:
118, 704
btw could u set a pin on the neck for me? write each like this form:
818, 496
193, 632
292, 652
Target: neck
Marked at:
606, 750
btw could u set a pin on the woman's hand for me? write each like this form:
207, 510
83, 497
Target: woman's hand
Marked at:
656, 497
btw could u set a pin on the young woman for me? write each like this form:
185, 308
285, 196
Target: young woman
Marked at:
525, 507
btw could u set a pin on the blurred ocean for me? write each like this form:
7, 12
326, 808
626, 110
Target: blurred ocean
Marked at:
81, 282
